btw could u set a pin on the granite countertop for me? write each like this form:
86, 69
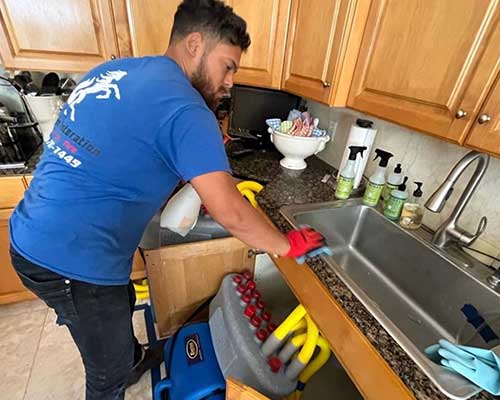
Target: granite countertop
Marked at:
28, 169
285, 187
289, 187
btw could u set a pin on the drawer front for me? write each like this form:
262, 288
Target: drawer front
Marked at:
11, 191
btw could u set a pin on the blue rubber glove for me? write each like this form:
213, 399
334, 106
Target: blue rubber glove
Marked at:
322, 250
480, 366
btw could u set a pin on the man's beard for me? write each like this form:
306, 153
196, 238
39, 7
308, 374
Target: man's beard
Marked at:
201, 82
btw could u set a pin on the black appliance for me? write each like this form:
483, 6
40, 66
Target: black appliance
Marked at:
249, 109
19, 134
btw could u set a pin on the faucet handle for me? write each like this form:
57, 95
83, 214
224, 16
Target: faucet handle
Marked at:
467, 238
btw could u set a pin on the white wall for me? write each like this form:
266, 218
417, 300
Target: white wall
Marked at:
426, 159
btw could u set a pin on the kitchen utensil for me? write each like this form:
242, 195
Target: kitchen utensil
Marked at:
46, 111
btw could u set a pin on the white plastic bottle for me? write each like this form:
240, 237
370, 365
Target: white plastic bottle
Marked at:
181, 212
377, 180
345, 181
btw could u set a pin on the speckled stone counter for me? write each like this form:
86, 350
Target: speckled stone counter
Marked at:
287, 187
262, 166
28, 169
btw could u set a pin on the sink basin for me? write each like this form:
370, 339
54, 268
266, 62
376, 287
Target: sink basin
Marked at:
413, 290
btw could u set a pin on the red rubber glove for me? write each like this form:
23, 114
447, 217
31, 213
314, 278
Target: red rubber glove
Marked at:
303, 241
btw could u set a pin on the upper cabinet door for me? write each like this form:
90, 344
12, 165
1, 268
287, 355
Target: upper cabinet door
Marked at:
150, 25
69, 35
485, 134
428, 64
322, 43
267, 20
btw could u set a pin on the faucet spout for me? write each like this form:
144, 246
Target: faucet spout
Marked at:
449, 230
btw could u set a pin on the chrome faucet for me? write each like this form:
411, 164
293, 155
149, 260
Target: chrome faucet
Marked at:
449, 231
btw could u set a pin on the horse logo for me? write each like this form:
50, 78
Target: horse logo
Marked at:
102, 86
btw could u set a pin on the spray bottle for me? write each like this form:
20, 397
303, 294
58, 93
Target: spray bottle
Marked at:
377, 180
348, 174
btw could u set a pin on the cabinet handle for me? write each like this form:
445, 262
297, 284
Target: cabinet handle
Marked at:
113, 57
326, 84
460, 114
484, 118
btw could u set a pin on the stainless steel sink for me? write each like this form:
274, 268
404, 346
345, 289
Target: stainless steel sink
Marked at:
412, 288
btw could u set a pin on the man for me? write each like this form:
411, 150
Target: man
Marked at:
130, 131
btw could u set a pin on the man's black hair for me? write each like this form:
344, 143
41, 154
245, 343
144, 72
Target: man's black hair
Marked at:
211, 17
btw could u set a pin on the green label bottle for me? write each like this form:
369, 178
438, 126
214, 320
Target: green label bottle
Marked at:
344, 188
386, 193
393, 208
372, 193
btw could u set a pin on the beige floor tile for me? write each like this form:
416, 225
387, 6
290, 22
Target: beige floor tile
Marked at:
22, 307
58, 370
18, 345
140, 327
141, 390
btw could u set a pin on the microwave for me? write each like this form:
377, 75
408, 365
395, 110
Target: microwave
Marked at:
249, 109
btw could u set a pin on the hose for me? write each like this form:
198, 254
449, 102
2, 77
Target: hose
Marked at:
274, 341
289, 323
250, 196
307, 350
248, 190
142, 290
250, 185
318, 361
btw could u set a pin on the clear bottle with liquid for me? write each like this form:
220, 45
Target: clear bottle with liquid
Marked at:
413, 210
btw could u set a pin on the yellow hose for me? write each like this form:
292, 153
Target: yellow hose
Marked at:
250, 196
142, 290
318, 362
250, 185
299, 340
142, 295
248, 190
295, 316
307, 350
299, 325
314, 365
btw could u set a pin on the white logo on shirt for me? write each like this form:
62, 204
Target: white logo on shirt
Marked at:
102, 86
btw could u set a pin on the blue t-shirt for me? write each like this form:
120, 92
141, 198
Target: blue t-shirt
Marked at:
129, 132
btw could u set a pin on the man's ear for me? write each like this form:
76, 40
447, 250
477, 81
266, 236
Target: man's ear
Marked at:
194, 44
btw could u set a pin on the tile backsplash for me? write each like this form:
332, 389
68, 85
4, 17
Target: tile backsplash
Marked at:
423, 158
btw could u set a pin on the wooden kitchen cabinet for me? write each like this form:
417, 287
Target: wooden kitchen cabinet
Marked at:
11, 191
27, 180
322, 44
267, 21
11, 288
429, 65
143, 27
485, 136
181, 277
147, 26
138, 267
70, 35
237, 391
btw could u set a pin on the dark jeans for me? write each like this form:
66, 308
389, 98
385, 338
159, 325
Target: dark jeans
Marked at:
99, 319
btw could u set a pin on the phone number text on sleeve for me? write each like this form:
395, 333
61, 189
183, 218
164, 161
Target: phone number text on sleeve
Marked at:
63, 154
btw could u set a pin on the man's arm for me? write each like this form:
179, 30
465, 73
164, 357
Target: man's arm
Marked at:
227, 206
